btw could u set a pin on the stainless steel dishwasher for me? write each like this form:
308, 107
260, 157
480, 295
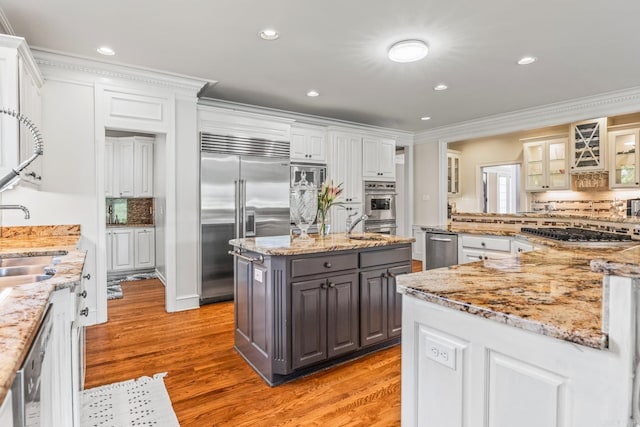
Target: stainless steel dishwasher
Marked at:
26, 388
441, 249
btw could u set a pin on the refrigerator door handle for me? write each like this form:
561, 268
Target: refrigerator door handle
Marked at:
236, 189
243, 207
250, 223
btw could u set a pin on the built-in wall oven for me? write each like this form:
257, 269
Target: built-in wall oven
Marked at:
380, 207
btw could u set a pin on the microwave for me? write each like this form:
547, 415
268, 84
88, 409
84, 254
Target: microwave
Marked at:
314, 174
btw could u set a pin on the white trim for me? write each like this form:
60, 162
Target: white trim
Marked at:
187, 302
170, 240
109, 70
101, 246
20, 44
606, 104
442, 188
161, 277
5, 24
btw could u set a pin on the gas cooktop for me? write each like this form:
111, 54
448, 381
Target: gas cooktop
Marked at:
576, 235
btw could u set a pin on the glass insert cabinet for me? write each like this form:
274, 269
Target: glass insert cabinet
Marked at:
545, 163
453, 173
623, 170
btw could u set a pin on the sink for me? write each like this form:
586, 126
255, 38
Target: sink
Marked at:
22, 270
8, 281
26, 260
367, 237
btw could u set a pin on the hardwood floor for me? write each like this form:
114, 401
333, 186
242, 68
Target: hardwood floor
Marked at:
211, 385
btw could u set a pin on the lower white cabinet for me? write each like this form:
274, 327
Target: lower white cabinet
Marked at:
418, 247
481, 247
130, 248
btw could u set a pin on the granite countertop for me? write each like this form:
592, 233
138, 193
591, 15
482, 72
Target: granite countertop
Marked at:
22, 310
287, 245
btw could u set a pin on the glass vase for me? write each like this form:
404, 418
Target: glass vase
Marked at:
303, 201
324, 222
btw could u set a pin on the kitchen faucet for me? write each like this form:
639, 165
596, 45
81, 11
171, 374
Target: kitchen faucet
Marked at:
23, 208
13, 175
353, 224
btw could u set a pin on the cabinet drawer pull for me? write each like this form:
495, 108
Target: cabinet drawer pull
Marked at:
324, 286
83, 294
87, 276
84, 312
390, 274
327, 264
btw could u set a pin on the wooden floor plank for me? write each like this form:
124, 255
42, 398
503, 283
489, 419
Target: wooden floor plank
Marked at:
211, 385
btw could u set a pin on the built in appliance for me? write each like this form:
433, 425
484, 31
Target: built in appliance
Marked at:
27, 387
380, 207
244, 192
578, 235
441, 248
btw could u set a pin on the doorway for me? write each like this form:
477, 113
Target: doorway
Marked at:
500, 188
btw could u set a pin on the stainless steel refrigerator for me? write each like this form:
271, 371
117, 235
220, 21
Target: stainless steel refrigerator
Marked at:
244, 192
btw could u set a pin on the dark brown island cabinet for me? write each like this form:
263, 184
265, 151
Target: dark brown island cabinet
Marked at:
298, 312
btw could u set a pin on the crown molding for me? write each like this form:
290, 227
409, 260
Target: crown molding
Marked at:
20, 44
601, 105
5, 25
402, 137
53, 61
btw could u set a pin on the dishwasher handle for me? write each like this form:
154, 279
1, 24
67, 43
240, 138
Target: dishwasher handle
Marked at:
439, 239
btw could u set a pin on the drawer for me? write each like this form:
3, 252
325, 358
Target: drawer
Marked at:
385, 256
323, 264
490, 243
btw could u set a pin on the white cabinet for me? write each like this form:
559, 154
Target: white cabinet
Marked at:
545, 164
339, 215
418, 247
625, 158
480, 247
130, 248
453, 172
378, 158
588, 141
20, 83
122, 247
129, 167
6, 410
344, 166
145, 248
308, 144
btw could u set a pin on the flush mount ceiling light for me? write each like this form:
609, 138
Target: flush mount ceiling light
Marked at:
425, 118
408, 51
526, 60
313, 93
440, 87
269, 34
105, 50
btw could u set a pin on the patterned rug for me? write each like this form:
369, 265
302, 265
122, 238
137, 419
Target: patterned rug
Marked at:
141, 402
114, 289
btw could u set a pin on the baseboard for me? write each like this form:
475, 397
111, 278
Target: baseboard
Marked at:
161, 277
113, 275
187, 302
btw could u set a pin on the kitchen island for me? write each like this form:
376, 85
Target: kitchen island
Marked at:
542, 338
302, 306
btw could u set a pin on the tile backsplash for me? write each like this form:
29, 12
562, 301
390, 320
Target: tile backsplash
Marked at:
592, 203
130, 211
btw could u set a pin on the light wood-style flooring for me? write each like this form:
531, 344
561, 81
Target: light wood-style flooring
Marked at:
211, 385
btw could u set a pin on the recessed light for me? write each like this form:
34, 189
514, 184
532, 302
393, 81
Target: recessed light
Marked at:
408, 51
269, 34
425, 118
441, 87
526, 60
105, 50
313, 93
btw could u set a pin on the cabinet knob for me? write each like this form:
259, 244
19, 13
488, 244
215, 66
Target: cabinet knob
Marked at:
483, 244
519, 249
324, 286
87, 276
390, 274
327, 264
84, 312
332, 285
83, 294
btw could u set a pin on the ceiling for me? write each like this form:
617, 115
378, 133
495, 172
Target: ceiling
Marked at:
339, 48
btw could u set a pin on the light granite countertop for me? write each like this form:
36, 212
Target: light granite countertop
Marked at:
22, 310
287, 245
557, 291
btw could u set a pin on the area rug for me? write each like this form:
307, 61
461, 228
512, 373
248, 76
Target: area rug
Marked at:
141, 402
114, 288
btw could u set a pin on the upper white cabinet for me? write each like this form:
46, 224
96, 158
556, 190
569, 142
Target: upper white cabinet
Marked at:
20, 83
308, 144
131, 109
344, 167
625, 158
453, 173
129, 167
588, 139
378, 158
545, 164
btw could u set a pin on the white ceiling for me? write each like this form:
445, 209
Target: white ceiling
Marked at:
338, 47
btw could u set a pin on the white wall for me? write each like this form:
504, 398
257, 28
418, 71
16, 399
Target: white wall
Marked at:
160, 196
401, 191
68, 191
426, 184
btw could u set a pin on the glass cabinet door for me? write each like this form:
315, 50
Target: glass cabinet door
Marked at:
453, 173
534, 165
557, 169
587, 145
624, 158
